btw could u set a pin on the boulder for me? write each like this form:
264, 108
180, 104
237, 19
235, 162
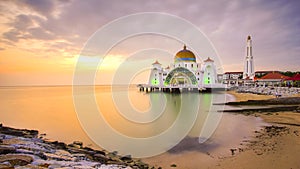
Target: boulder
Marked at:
4, 149
75, 150
141, 165
16, 159
29, 166
100, 152
80, 157
6, 165
74, 145
78, 143
55, 165
100, 158
59, 145
19, 132
126, 158
60, 155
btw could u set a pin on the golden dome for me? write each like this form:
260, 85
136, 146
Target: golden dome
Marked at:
185, 56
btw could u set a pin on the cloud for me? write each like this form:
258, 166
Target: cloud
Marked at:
274, 24
44, 8
12, 35
40, 33
22, 22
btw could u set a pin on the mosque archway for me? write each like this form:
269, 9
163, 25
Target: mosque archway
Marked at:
180, 77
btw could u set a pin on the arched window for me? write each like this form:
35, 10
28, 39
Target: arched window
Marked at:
181, 73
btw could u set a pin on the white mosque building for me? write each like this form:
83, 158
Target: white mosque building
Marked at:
184, 74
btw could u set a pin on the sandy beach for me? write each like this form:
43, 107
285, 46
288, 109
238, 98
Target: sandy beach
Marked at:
279, 148
276, 146
248, 96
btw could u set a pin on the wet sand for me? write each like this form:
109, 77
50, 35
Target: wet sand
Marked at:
248, 96
276, 150
277, 146
270, 150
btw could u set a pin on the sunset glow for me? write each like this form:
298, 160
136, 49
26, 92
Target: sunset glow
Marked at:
41, 40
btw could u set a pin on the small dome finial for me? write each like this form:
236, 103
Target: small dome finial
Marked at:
184, 47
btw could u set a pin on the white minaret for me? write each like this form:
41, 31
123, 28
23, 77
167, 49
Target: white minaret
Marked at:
249, 66
156, 75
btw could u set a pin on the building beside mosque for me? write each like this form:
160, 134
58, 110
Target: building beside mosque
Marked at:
271, 79
184, 73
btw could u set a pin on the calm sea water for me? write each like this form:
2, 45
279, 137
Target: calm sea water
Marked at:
51, 110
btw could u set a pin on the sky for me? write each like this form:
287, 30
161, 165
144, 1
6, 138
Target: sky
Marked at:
41, 40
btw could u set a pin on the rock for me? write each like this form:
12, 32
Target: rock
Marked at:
88, 149
141, 165
60, 155
116, 162
10, 141
82, 167
173, 165
78, 143
298, 109
41, 155
24, 151
126, 158
59, 145
259, 152
100, 152
74, 145
45, 165
7, 149
16, 159
53, 166
6, 165
29, 151
74, 150
113, 155
63, 153
233, 151
19, 132
100, 158
80, 157
29, 166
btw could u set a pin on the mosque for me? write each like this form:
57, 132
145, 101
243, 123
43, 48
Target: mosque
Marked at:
184, 74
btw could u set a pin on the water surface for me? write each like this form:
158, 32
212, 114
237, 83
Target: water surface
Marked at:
51, 110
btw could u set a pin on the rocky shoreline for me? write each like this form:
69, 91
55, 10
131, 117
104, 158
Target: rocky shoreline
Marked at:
276, 91
22, 148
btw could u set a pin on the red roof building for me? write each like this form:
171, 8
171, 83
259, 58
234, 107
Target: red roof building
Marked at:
296, 77
273, 76
271, 79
